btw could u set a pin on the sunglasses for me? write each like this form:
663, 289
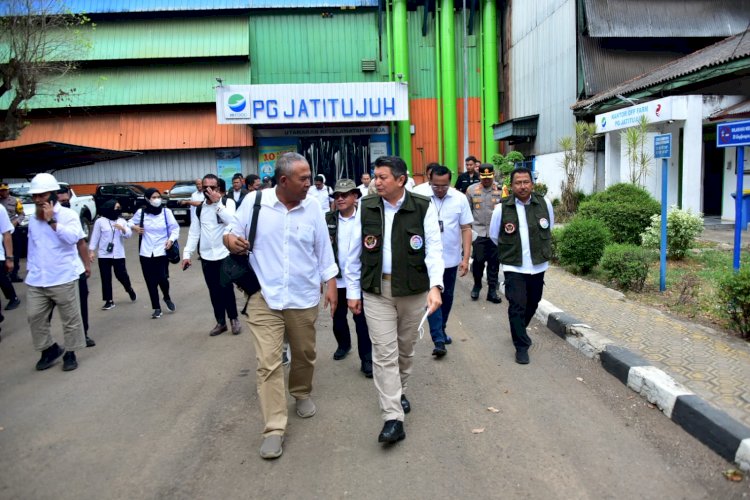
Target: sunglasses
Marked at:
336, 196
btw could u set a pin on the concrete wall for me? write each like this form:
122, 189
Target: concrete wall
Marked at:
551, 173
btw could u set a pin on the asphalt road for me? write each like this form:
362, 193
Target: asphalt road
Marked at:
160, 410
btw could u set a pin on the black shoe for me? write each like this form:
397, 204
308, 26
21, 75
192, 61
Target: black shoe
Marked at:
522, 357
49, 356
340, 354
131, 294
367, 368
439, 351
90, 342
69, 361
405, 404
16, 279
13, 303
218, 330
108, 305
448, 340
157, 314
170, 305
475, 292
492, 296
393, 431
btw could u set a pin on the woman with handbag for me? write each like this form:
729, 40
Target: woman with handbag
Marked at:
108, 234
158, 232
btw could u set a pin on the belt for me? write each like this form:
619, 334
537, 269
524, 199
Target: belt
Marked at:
387, 277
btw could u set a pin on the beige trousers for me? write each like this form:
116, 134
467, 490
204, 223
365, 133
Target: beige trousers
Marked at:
393, 323
267, 327
39, 303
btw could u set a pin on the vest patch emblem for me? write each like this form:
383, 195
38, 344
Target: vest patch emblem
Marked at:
416, 242
510, 228
543, 223
370, 241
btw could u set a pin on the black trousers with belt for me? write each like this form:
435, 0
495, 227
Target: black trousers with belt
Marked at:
342, 333
485, 252
524, 291
121, 273
222, 297
156, 274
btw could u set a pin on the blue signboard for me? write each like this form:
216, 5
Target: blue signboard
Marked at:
733, 134
663, 146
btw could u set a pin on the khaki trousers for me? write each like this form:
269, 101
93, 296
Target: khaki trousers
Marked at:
267, 327
39, 304
393, 323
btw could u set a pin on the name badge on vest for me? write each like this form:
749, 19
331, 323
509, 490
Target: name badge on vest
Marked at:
510, 228
543, 223
370, 241
416, 242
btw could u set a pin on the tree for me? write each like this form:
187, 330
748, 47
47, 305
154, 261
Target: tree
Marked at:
635, 146
40, 41
573, 161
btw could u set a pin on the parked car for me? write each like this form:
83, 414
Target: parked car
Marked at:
129, 196
180, 191
84, 206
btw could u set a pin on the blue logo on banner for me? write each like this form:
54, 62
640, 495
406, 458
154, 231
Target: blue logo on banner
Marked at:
236, 102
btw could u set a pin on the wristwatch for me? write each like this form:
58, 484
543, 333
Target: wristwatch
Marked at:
440, 287
52, 221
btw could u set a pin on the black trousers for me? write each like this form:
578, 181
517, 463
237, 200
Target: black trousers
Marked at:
222, 297
484, 251
83, 292
156, 274
20, 244
523, 291
342, 333
121, 273
5, 284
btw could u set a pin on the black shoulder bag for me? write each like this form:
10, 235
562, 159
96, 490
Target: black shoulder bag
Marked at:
236, 268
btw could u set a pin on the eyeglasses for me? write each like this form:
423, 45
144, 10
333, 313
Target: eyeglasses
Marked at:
336, 196
440, 188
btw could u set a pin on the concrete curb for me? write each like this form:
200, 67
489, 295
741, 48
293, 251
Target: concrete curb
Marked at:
711, 426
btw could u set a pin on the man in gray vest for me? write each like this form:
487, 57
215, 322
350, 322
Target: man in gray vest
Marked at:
521, 226
401, 280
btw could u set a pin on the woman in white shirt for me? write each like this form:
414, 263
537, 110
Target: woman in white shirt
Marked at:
158, 231
108, 234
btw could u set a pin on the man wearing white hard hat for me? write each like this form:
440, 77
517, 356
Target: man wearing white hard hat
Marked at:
51, 275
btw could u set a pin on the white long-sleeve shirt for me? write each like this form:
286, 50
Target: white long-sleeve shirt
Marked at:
292, 252
53, 255
348, 250
206, 234
527, 266
157, 229
104, 232
5, 227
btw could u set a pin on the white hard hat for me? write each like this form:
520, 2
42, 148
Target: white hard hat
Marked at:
44, 183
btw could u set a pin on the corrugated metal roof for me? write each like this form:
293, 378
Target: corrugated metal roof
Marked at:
730, 49
666, 18
740, 110
137, 130
132, 85
605, 66
122, 6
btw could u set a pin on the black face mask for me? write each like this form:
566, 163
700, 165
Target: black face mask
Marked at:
117, 213
66, 204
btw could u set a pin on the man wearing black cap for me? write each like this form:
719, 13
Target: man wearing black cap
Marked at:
483, 197
342, 224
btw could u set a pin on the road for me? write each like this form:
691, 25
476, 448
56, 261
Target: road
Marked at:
158, 409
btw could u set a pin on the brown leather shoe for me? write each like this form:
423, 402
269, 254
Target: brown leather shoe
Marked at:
218, 330
236, 326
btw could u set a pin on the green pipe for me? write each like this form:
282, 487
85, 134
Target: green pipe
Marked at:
401, 69
389, 45
438, 90
489, 53
448, 56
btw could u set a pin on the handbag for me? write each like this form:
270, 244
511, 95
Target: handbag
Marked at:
236, 268
173, 253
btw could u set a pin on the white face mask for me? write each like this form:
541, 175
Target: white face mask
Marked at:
155, 202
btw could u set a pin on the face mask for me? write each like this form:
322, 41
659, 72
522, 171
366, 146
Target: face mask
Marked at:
155, 202
66, 204
117, 213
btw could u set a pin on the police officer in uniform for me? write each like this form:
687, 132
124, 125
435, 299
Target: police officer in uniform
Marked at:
483, 197
401, 279
522, 226
14, 207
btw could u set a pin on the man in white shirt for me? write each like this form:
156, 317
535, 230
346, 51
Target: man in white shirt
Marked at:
454, 218
291, 256
425, 189
52, 276
238, 189
6, 248
196, 198
342, 223
207, 228
401, 278
365, 186
521, 227
322, 193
